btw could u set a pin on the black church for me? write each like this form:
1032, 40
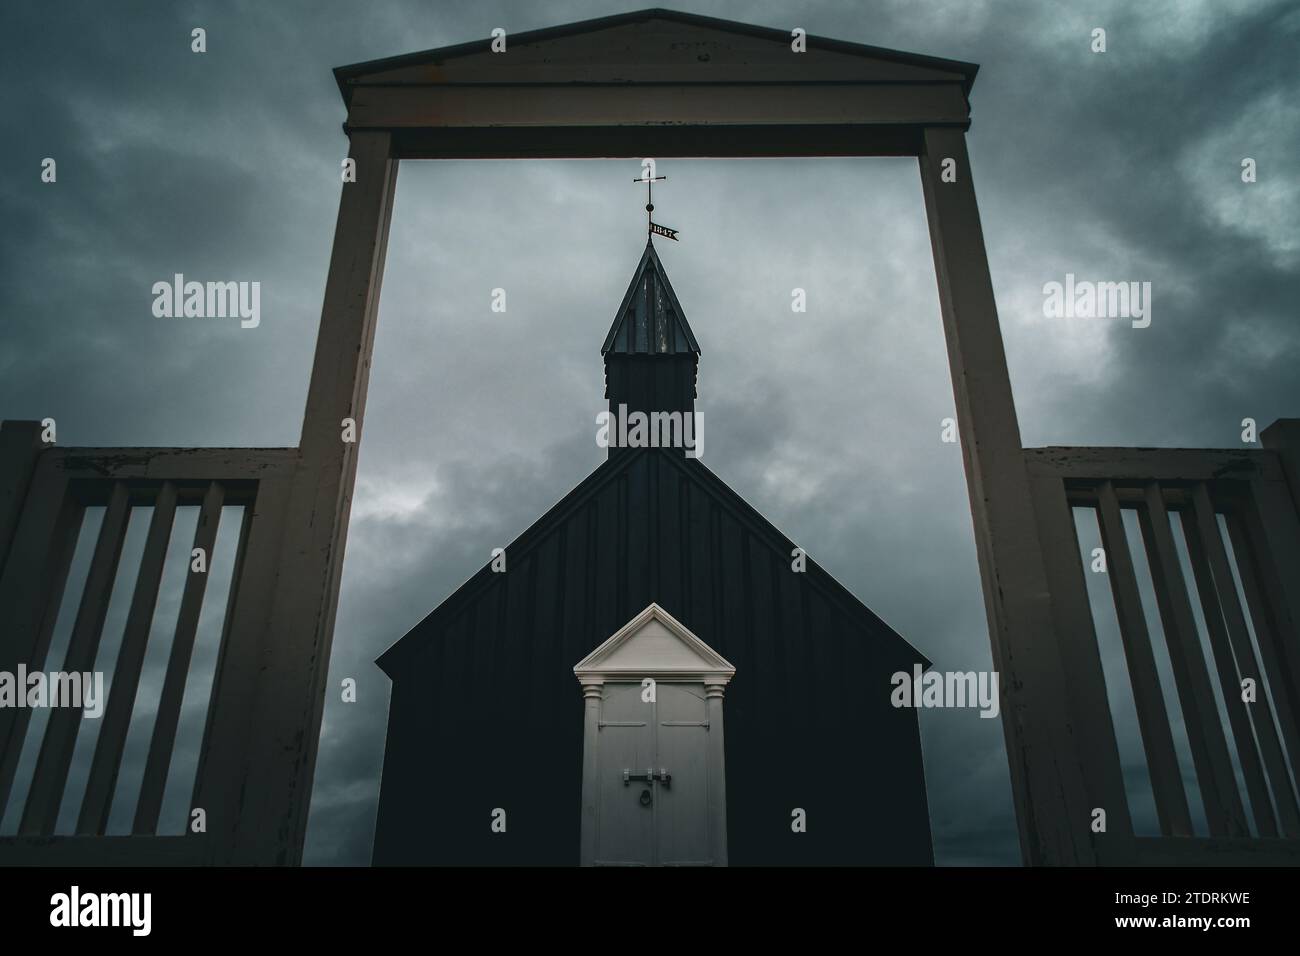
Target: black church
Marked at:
656, 675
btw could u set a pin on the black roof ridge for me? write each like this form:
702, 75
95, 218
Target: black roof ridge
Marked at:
599, 475
765, 526
607, 471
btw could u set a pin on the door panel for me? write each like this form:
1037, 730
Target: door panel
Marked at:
683, 811
625, 829
668, 734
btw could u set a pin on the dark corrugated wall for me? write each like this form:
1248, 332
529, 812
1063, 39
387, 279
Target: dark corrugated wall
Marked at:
486, 712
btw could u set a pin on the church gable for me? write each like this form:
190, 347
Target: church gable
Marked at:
654, 527
807, 674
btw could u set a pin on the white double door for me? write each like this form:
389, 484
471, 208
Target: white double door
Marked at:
652, 768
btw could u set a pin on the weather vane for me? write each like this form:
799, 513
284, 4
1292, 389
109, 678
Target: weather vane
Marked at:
649, 178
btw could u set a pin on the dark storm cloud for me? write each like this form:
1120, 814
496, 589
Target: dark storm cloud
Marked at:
225, 166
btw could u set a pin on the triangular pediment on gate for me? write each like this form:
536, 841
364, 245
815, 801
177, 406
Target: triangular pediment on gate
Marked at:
654, 644
655, 46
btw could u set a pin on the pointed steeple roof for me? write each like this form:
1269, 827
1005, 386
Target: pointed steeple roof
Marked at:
650, 321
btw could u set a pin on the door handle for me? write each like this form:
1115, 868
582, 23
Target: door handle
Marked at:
649, 776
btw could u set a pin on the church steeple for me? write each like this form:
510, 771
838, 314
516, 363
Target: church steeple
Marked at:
650, 320
651, 356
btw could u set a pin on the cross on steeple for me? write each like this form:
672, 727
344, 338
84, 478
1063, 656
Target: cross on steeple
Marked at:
648, 178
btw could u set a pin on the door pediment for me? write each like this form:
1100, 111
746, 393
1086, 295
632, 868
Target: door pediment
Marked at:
654, 644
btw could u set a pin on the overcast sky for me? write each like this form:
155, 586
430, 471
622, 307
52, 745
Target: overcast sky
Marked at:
225, 166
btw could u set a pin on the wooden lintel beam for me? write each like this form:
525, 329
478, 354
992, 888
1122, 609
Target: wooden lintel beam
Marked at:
556, 107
